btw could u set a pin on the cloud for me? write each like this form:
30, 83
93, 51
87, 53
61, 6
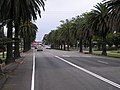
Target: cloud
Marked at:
56, 10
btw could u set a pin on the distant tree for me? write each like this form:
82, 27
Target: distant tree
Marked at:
67, 26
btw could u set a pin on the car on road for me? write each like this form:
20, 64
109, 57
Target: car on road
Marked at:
39, 48
47, 46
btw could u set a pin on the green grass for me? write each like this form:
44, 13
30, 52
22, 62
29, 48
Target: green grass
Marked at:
113, 53
1, 56
97, 52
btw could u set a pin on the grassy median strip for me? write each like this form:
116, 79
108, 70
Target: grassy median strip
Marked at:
117, 55
114, 53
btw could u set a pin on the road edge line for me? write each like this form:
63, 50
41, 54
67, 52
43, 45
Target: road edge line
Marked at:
33, 72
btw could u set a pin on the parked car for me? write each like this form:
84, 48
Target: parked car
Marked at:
47, 46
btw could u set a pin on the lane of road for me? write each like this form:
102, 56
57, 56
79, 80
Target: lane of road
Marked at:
94, 64
54, 74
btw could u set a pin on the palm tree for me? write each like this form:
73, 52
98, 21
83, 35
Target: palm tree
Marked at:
51, 38
59, 38
15, 10
80, 21
28, 32
100, 17
115, 17
67, 26
62, 36
29, 10
88, 30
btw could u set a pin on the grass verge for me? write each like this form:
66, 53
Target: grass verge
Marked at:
114, 53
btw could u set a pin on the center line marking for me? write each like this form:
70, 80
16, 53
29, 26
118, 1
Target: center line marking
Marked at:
33, 72
66, 56
91, 73
103, 62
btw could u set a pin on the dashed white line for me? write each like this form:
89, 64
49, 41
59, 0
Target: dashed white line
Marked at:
103, 62
66, 56
33, 72
91, 73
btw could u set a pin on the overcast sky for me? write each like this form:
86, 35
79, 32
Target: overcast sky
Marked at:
56, 10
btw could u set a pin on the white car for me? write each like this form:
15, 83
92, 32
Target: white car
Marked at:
39, 48
47, 46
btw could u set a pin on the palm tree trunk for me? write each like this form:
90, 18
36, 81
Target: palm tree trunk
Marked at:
9, 57
21, 44
29, 44
3, 55
99, 46
104, 51
16, 51
81, 49
25, 45
68, 47
68, 43
64, 46
90, 45
61, 46
0, 68
9, 45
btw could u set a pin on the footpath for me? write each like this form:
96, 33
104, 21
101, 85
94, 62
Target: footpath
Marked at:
17, 75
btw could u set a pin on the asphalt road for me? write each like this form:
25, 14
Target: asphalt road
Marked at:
62, 70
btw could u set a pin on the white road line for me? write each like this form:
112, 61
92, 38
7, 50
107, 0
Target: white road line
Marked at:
65, 55
103, 62
33, 72
91, 73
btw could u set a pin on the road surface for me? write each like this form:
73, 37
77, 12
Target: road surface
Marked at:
65, 70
